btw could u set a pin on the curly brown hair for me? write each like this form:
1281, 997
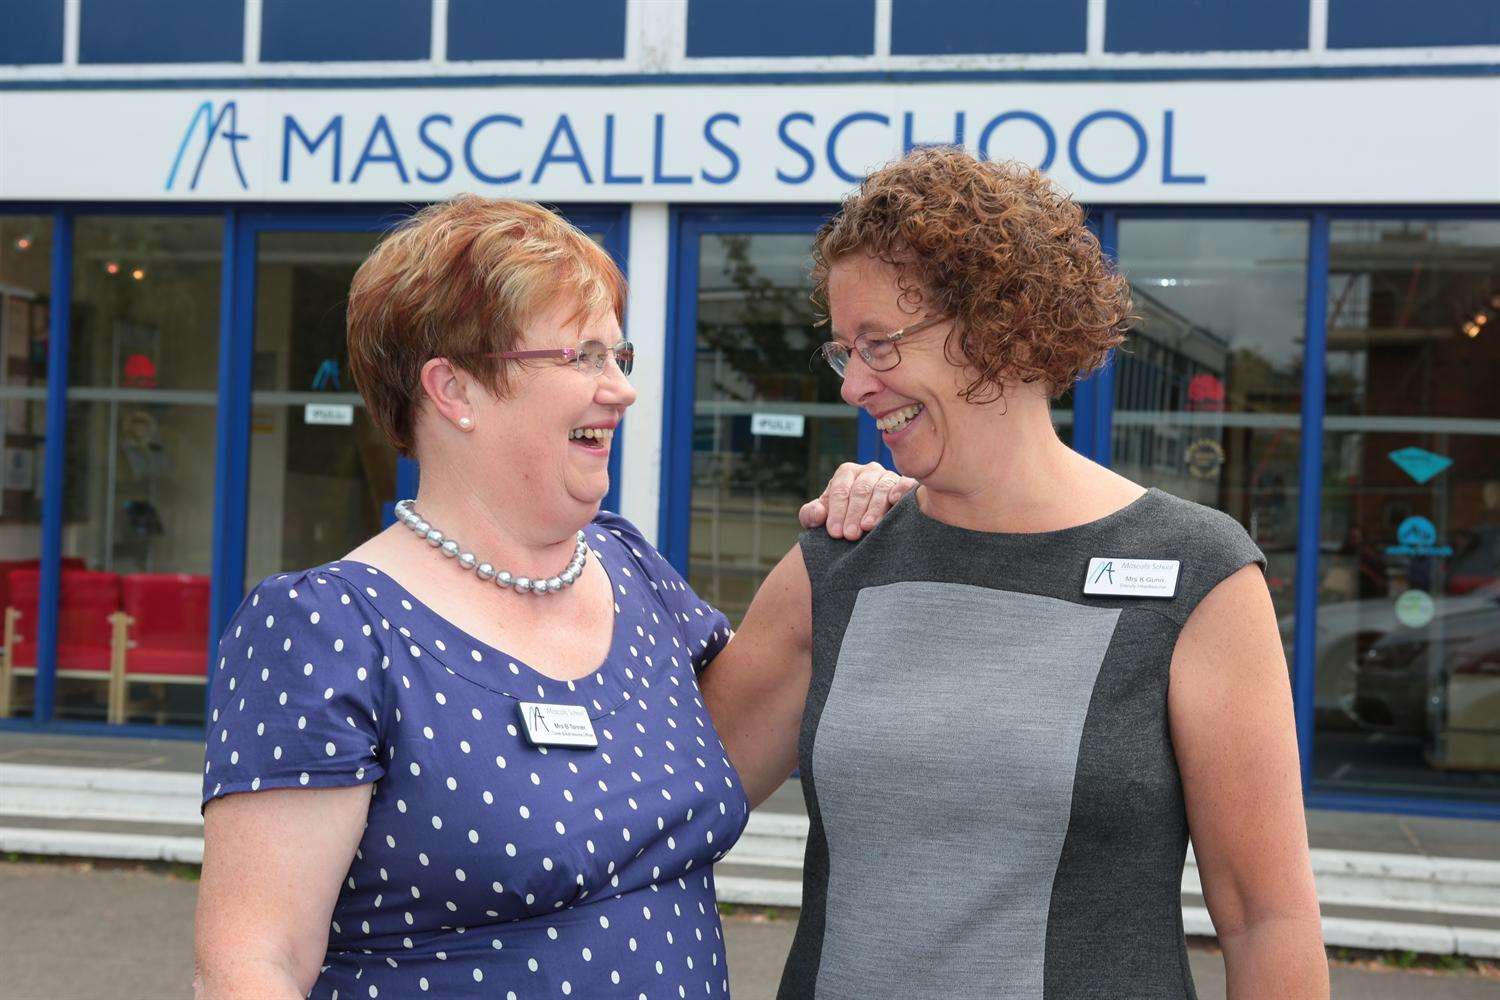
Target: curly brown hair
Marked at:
1000, 249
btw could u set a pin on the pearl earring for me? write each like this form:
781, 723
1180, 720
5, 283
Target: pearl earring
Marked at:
465, 423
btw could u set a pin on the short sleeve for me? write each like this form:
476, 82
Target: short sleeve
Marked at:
294, 694
703, 629
1215, 547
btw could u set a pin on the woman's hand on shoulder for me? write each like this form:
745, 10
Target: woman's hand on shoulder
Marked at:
273, 864
855, 499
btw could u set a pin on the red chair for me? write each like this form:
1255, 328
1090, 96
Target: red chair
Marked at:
90, 631
168, 627
7, 565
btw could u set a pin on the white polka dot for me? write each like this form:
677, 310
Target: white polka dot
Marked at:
303, 778
330, 749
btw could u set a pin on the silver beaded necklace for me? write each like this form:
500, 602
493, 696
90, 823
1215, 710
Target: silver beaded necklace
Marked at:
521, 584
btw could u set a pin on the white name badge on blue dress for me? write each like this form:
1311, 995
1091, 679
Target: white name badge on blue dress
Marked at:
1132, 577
557, 725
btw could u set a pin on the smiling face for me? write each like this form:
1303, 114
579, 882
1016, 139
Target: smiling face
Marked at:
934, 434
552, 430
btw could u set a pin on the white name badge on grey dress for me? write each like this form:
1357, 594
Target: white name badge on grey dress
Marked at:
1132, 577
558, 725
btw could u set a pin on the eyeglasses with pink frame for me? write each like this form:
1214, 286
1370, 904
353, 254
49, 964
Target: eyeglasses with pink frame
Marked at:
590, 356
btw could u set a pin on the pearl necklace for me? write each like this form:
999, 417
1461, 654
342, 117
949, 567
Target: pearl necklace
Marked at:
522, 585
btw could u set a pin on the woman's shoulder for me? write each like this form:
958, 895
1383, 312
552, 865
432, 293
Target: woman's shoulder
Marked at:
319, 600
1192, 523
611, 529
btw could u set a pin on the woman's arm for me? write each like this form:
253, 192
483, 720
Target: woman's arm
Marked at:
1230, 706
756, 687
273, 862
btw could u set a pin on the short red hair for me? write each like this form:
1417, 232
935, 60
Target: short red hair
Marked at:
460, 280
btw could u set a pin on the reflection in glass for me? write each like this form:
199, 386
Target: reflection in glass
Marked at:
25, 311
769, 427
1408, 655
320, 471
1208, 385
138, 491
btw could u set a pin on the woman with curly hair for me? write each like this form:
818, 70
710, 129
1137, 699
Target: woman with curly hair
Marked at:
1017, 698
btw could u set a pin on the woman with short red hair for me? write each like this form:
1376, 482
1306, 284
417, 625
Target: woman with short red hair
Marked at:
470, 758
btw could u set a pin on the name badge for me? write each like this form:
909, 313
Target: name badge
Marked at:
557, 725
1132, 577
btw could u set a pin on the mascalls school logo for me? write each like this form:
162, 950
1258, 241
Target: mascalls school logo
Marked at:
204, 127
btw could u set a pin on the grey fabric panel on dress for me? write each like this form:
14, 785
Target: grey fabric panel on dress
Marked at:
995, 721
1036, 849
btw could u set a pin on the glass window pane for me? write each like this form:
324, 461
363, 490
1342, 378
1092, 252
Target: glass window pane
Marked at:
320, 471
138, 492
25, 311
1408, 655
769, 427
1208, 387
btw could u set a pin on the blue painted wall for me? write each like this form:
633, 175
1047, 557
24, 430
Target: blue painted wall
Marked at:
32, 32
1364, 24
578, 29
1206, 25
781, 28
970, 27
345, 30
161, 31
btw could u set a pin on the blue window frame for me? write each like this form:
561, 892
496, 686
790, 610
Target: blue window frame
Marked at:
1204, 25
345, 30
780, 28
161, 31
242, 227
33, 33
582, 29
1376, 24
977, 27
1094, 406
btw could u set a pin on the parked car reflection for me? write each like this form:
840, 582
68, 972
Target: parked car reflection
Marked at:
1438, 682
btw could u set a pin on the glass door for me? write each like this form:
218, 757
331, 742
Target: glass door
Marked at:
321, 477
1208, 385
1408, 629
321, 473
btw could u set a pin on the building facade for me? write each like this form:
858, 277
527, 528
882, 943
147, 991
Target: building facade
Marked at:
1305, 195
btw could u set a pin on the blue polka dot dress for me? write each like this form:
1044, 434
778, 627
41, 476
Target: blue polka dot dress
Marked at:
490, 867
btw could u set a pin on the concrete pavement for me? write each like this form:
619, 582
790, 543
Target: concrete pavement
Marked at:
85, 932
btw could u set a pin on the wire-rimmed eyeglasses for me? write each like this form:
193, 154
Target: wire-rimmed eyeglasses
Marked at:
878, 350
589, 357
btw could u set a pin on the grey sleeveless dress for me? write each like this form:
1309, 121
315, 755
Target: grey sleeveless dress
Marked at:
995, 807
